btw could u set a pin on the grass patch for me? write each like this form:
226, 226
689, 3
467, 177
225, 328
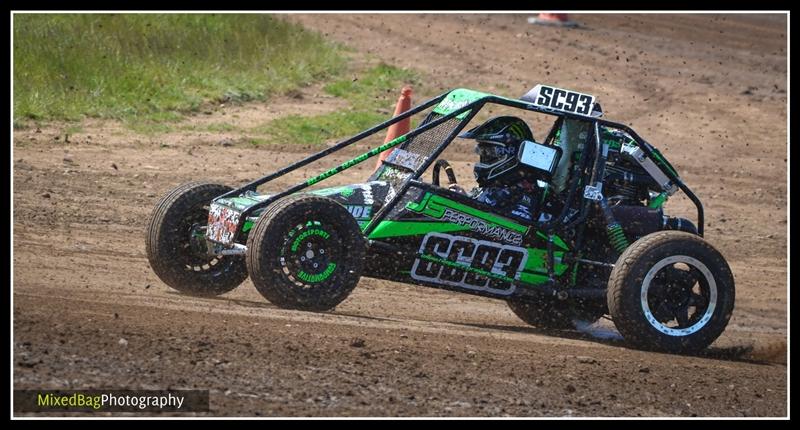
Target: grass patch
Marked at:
319, 128
214, 127
73, 129
149, 127
377, 84
157, 66
371, 95
220, 127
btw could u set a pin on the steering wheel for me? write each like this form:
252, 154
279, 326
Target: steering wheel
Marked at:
451, 175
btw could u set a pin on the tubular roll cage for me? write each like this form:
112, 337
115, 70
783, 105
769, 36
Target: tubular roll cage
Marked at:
470, 109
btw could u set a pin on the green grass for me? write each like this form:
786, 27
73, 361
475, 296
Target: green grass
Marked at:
152, 67
319, 128
149, 127
372, 97
72, 129
220, 127
378, 84
214, 127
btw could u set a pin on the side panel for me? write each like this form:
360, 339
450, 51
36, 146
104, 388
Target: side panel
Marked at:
361, 200
447, 240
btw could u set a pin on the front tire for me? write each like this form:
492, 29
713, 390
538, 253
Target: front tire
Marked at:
305, 252
671, 291
176, 247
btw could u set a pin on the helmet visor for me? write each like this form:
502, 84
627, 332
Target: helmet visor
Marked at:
491, 152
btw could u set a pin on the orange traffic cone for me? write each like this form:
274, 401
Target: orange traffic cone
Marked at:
557, 19
399, 128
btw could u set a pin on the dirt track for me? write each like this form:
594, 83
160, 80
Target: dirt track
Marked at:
710, 91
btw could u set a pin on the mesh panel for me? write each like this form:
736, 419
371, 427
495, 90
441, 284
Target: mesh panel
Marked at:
425, 143
422, 146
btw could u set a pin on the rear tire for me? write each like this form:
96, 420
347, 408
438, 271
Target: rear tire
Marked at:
671, 291
178, 257
305, 252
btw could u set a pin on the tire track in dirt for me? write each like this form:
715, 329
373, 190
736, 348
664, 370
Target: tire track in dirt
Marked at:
268, 361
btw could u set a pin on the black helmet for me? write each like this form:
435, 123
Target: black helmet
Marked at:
499, 140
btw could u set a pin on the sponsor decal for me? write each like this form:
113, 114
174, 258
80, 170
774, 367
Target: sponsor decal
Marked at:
390, 193
360, 212
522, 211
406, 159
494, 227
451, 104
469, 263
480, 226
366, 192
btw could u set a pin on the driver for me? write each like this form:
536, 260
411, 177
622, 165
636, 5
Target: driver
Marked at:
501, 183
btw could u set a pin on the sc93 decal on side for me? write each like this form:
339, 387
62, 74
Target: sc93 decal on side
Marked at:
493, 265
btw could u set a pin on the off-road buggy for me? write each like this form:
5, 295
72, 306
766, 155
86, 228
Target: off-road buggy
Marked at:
599, 242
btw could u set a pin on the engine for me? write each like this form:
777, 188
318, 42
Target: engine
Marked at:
628, 188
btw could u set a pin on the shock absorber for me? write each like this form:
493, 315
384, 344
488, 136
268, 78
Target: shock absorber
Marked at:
613, 229
617, 237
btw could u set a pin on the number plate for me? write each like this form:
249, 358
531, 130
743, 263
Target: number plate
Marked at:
559, 99
490, 257
222, 223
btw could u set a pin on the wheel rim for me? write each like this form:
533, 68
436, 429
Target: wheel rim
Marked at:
309, 254
679, 295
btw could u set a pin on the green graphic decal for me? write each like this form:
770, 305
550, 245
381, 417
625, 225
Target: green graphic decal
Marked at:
556, 240
318, 277
663, 161
532, 278
537, 261
434, 206
457, 99
343, 191
412, 228
483, 223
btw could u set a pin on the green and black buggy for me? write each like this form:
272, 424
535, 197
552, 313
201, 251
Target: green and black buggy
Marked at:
592, 240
